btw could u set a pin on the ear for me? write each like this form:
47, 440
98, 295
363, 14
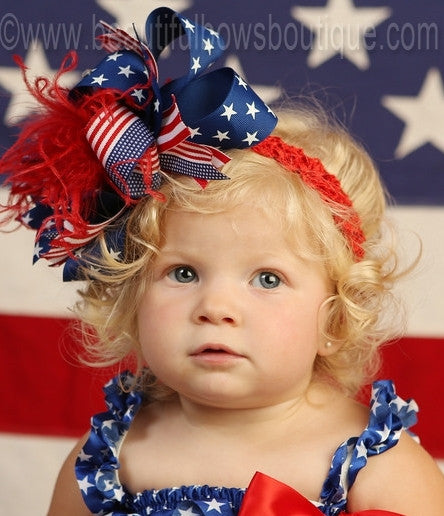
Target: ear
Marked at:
327, 348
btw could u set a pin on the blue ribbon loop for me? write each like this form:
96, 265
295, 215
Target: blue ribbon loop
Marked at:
164, 25
218, 105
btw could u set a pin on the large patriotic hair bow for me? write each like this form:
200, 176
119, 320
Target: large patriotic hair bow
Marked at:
100, 147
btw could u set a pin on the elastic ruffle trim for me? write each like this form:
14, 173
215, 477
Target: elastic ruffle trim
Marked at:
389, 415
97, 464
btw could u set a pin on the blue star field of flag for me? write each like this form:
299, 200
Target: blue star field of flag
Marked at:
377, 64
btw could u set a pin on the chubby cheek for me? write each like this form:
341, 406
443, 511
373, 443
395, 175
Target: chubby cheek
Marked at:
149, 330
294, 324
158, 327
153, 313
153, 348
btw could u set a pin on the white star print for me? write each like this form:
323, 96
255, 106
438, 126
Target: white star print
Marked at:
375, 406
384, 433
241, 82
208, 47
37, 250
229, 111
156, 105
214, 505
22, 103
109, 485
194, 132
126, 71
88, 72
250, 138
196, 64
138, 94
213, 32
115, 255
252, 110
423, 115
114, 57
188, 24
340, 28
99, 79
361, 450
221, 136
84, 457
399, 403
108, 424
380, 447
84, 484
26, 219
119, 493
413, 406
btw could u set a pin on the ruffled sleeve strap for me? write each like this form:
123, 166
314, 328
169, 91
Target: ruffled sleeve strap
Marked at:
389, 415
97, 464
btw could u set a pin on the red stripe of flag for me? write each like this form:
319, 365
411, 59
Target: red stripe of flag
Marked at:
198, 152
109, 129
56, 255
173, 130
97, 128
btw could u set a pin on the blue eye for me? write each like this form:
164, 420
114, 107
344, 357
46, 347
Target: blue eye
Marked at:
266, 280
183, 274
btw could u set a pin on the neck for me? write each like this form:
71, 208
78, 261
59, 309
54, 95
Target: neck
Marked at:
256, 419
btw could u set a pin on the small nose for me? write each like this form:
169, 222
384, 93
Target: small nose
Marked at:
216, 306
215, 317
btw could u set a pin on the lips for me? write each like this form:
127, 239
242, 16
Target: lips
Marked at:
215, 355
214, 349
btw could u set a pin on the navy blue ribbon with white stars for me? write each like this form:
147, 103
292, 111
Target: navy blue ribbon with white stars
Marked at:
219, 107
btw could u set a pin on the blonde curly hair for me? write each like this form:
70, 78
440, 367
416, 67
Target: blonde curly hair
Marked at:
357, 319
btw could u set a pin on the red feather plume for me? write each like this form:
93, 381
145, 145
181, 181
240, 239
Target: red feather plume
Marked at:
51, 162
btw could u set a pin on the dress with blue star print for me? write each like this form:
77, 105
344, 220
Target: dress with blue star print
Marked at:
97, 465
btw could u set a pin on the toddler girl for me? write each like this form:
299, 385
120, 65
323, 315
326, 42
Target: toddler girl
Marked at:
251, 289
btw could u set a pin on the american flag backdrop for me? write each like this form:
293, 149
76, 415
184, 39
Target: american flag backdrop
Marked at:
378, 64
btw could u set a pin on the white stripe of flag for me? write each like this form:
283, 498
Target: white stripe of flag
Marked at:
106, 129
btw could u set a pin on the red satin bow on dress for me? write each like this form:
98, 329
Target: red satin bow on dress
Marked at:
269, 497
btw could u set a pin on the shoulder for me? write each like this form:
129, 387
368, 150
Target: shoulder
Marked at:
404, 479
67, 499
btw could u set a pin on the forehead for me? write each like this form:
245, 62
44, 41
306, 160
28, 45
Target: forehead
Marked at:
248, 226
240, 220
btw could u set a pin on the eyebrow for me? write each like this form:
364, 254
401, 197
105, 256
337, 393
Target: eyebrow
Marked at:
176, 254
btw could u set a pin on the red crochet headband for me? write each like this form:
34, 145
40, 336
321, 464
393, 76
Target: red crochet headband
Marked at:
313, 173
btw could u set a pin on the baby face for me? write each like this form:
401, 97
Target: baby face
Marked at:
231, 317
